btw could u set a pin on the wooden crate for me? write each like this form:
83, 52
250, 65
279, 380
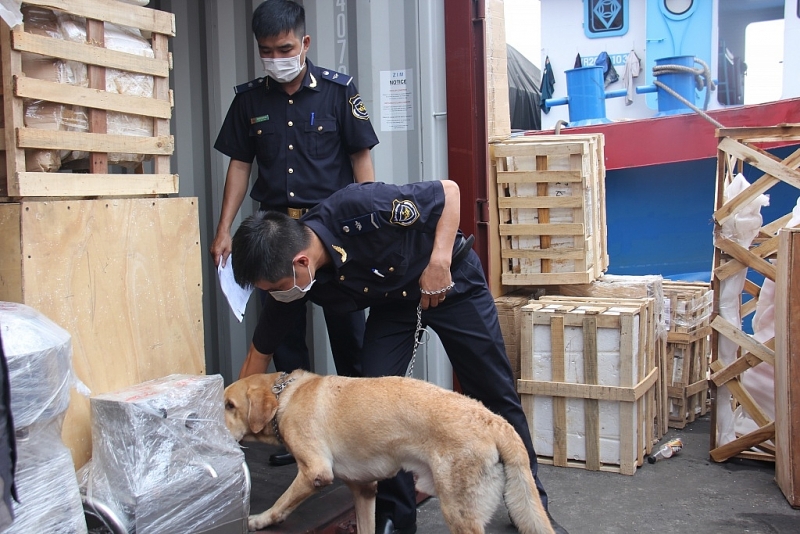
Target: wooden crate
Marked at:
551, 203
787, 358
588, 383
122, 276
688, 306
509, 313
119, 101
616, 287
736, 261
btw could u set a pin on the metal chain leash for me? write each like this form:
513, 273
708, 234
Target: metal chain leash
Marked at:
417, 340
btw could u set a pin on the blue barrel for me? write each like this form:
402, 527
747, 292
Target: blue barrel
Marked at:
587, 97
681, 82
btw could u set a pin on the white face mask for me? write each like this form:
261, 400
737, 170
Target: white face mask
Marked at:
296, 292
283, 69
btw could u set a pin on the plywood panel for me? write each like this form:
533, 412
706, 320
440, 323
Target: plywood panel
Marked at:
10, 273
123, 277
787, 367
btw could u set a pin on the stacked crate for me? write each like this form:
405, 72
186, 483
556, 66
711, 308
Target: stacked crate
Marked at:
688, 306
638, 287
89, 104
588, 381
87, 233
551, 202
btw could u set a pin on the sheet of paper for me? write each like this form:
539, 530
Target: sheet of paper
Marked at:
237, 295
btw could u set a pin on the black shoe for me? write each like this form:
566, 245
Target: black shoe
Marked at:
558, 529
282, 457
385, 525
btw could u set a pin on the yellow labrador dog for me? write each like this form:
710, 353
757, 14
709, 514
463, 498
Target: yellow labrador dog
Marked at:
362, 430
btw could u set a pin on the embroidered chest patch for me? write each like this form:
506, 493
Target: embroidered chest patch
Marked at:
404, 212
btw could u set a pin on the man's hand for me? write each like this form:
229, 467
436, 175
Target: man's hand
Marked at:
433, 282
221, 248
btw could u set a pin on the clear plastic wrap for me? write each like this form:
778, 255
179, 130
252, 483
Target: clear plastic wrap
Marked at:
39, 356
51, 116
128, 40
163, 460
626, 286
49, 498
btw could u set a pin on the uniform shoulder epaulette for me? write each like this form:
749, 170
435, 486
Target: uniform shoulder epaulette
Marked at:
335, 77
252, 84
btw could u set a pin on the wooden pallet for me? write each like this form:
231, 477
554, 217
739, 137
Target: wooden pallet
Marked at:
551, 202
92, 176
554, 328
736, 147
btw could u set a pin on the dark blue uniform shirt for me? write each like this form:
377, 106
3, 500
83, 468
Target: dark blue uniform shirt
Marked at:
380, 237
302, 142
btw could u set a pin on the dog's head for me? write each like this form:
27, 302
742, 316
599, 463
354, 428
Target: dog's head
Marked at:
249, 405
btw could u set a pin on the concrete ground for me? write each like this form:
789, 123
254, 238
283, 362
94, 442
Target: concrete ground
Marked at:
687, 493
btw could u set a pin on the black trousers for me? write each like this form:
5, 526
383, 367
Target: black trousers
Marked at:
469, 329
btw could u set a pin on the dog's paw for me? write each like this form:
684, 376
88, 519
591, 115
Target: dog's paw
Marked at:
257, 522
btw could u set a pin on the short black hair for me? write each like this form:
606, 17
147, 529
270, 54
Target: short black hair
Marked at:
264, 246
275, 17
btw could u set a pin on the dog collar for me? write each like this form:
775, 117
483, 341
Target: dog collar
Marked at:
277, 389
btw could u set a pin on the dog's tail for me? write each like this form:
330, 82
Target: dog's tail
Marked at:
521, 496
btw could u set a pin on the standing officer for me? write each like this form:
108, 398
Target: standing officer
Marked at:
398, 251
310, 134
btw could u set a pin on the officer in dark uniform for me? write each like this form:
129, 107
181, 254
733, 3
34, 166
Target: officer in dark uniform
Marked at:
310, 134
392, 249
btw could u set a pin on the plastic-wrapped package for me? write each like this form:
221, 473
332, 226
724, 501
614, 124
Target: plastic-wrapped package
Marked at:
741, 229
50, 500
626, 286
48, 115
163, 460
39, 356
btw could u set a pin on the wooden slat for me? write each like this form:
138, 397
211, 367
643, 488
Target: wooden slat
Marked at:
89, 55
531, 148
530, 177
558, 364
584, 391
591, 407
542, 229
780, 132
787, 367
540, 202
161, 92
745, 257
25, 87
758, 187
94, 142
743, 340
731, 449
49, 184
113, 11
762, 160
551, 253
545, 279
12, 107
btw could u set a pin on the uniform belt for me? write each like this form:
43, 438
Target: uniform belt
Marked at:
461, 248
296, 213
